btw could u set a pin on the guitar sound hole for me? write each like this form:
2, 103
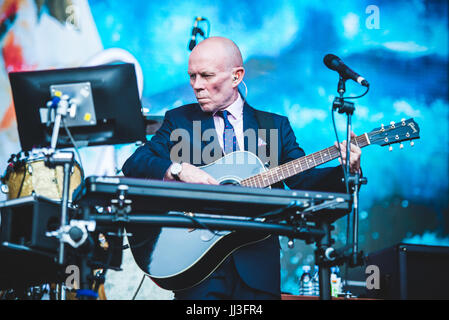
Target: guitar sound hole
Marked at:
230, 182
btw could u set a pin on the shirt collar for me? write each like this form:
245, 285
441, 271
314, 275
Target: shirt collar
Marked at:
236, 108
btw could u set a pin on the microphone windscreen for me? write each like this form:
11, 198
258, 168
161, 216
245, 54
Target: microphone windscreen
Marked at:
192, 44
331, 61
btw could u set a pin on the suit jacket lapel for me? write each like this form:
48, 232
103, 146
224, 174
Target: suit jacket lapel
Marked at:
207, 124
249, 122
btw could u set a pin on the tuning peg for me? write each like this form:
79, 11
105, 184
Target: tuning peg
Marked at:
392, 124
382, 127
390, 148
401, 146
412, 143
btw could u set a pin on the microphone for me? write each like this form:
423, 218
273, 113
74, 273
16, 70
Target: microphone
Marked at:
334, 63
195, 31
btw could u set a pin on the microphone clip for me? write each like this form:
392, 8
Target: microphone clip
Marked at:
343, 106
197, 30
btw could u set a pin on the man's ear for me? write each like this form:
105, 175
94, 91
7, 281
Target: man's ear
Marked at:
237, 76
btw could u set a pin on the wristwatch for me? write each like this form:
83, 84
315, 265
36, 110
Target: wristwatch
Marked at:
175, 170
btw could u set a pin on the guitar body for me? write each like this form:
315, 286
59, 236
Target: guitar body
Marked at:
181, 258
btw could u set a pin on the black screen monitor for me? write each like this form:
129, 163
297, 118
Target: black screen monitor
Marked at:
110, 112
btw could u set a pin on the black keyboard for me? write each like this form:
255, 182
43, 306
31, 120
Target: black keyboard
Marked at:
155, 196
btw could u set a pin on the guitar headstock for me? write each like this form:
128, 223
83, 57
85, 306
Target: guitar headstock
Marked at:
396, 132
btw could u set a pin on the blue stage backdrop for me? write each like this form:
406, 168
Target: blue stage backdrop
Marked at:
400, 47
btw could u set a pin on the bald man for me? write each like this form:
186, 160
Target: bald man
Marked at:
216, 70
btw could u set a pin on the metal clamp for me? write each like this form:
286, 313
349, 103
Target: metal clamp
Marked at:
121, 206
75, 233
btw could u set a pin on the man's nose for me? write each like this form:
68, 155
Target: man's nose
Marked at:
198, 83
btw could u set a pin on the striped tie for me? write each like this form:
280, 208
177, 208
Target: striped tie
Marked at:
229, 139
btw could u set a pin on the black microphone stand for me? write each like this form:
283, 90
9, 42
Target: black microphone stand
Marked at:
75, 232
353, 180
325, 255
54, 158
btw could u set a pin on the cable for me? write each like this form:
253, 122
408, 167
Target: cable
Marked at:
339, 150
23, 180
216, 233
246, 91
79, 157
358, 97
138, 288
73, 142
292, 204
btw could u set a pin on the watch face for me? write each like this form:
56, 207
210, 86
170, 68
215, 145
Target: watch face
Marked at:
176, 169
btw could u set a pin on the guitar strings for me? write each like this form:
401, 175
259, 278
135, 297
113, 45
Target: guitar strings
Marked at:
260, 180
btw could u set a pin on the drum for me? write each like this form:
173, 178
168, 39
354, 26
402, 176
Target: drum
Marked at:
32, 175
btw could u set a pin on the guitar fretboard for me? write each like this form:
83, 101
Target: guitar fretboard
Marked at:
299, 165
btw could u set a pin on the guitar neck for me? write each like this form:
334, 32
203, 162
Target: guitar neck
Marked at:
299, 165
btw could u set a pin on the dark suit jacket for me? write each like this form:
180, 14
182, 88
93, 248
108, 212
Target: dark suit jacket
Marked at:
258, 264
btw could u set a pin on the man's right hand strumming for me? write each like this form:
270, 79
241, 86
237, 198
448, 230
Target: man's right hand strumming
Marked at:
190, 174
